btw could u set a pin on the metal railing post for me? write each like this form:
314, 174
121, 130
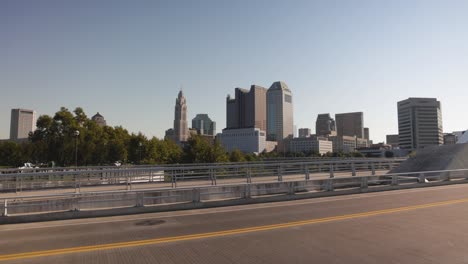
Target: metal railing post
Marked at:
5, 208
332, 174
307, 174
280, 173
447, 176
128, 183
422, 178
353, 169
394, 180
247, 193
373, 168
249, 175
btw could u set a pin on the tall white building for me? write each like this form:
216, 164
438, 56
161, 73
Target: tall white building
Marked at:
181, 131
279, 112
23, 121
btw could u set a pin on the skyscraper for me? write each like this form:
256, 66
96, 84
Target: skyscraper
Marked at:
304, 132
279, 112
366, 133
181, 132
419, 123
247, 109
350, 124
204, 125
325, 125
22, 122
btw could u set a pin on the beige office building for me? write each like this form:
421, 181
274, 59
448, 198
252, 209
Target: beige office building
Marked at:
419, 123
280, 123
350, 124
22, 122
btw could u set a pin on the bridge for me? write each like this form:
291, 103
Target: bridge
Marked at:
424, 225
36, 191
419, 219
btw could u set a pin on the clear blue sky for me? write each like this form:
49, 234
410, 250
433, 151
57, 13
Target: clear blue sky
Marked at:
128, 59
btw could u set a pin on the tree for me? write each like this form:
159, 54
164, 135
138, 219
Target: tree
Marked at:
236, 156
10, 154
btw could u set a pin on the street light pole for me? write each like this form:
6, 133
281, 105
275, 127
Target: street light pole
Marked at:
139, 150
76, 134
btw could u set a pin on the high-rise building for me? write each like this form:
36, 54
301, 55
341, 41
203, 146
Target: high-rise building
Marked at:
419, 123
279, 112
350, 124
247, 109
204, 125
325, 125
22, 122
366, 133
181, 131
99, 119
304, 132
392, 140
450, 139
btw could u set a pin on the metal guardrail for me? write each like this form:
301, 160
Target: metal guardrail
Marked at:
176, 176
266, 161
37, 204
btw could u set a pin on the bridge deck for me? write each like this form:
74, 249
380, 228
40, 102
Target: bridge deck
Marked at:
407, 226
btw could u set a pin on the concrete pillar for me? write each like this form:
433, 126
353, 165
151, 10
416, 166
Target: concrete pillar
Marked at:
364, 183
247, 193
329, 187
422, 178
291, 189
196, 195
447, 176
76, 203
140, 199
394, 180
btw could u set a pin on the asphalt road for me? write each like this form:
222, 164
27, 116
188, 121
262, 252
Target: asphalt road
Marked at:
427, 225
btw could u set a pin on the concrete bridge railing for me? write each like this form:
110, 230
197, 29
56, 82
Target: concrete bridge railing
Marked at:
179, 198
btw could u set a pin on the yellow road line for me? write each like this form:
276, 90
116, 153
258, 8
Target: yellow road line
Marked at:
220, 233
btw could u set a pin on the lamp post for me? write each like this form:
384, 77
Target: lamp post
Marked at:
139, 150
76, 134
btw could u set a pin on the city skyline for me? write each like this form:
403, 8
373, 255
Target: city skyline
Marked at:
129, 60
